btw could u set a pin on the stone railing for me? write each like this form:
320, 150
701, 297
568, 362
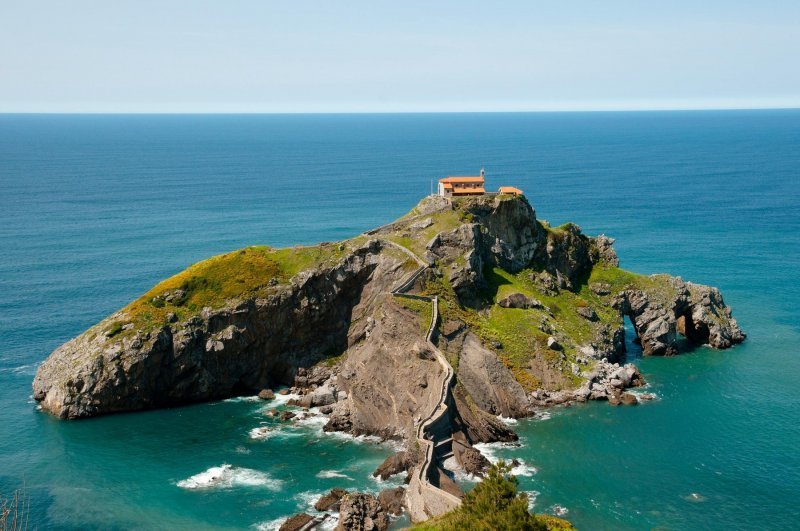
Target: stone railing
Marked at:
424, 500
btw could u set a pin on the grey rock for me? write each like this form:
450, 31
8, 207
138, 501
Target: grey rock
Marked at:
391, 500
266, 394
362, 512
330, 501
587, 313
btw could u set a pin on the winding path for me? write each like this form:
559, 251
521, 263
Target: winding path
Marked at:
424, 499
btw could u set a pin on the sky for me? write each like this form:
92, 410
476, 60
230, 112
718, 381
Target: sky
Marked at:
400, 56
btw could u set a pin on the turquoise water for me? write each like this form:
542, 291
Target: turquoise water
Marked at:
96, 209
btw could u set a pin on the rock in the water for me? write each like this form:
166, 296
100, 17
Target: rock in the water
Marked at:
330, 501
402, 461
474, 462
391, 500
296, 522
628, 399
361, 512
287, 415
695, 311
266, 394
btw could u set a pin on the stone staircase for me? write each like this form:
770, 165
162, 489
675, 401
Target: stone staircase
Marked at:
434, 434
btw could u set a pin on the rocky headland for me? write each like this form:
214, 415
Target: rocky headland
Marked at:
426, 330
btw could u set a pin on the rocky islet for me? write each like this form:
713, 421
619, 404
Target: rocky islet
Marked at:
333, 333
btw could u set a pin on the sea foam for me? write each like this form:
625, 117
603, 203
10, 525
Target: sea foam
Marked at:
227, 476
330, 474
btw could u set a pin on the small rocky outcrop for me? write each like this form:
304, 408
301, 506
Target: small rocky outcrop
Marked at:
330, 501
473, 462
518, 300
603, 381
298, 522
391, 500
362, 512
402, 461
266, 394
694, 311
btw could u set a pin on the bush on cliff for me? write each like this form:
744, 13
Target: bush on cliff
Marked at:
495, 503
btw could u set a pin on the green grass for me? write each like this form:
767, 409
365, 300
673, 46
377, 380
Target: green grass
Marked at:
443, 221
219, 280
423, 309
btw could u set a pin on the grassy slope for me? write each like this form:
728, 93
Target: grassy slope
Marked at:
520, 331
247, 273
423, 309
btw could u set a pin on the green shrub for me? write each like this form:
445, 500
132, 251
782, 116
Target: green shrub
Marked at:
495, 503
116, 328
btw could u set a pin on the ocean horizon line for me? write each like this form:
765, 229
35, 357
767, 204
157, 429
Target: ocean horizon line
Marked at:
389, 112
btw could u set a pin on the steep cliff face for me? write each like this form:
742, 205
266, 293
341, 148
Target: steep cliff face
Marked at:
244, 346
529, 313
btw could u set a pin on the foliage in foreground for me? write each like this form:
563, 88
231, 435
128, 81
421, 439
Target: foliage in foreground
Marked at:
495, 503
14, 512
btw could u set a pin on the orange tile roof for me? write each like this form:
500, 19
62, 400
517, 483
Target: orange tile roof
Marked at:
462, 180
467, 191
510, 190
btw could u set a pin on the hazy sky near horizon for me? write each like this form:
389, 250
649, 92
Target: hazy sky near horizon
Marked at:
376, 56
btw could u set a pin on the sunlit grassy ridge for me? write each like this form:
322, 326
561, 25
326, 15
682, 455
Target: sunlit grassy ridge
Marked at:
519, 336
215, 282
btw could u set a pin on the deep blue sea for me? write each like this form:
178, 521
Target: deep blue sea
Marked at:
94, 210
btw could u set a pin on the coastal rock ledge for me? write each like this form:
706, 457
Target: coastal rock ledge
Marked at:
529, 315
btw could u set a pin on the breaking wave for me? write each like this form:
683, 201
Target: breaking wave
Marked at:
227, 476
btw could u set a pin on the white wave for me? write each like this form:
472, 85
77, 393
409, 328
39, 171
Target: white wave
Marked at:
508, 421
451, 465
330, 523
226, 476
532, 496
253, 398
695, 498
262, 433
639, 392
313, 421
353, 438
523, 469
330, 474
490, 451
379, 484
242, 450
283, 399
272, 525
307, 499
543, 415
558, 510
